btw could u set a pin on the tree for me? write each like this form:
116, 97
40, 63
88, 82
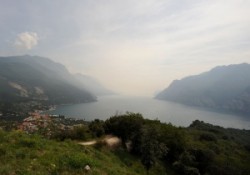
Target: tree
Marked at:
186, 164
124, 126
174, 138
97, 127
151, 148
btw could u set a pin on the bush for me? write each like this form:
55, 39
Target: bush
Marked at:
77, 133
74, 161
180, 168
100, 144
203, 157
191, 171
124, 126
20, 154
28, 142
247, 147
97, 128
2, 151
208, 137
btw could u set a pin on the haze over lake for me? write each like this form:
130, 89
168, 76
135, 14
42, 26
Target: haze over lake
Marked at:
177, 114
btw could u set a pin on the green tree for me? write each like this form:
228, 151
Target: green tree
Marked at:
175, 140
97, 128
124, 126
186, 164
151, 148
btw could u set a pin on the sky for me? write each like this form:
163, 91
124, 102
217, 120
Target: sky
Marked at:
134, 47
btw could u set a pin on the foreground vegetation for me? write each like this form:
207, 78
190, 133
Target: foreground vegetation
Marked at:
31, 154
148, 147
198, 149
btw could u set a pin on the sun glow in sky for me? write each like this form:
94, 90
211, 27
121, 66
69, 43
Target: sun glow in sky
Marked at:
134, 47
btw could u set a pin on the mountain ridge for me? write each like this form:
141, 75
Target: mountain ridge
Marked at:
223, 88
27, 77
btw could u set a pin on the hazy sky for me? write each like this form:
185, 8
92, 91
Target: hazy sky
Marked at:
135, 47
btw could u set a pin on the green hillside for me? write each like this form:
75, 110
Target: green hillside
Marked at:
147, 147
31, 154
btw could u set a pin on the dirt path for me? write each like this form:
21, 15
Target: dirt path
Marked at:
110, 140
93, 142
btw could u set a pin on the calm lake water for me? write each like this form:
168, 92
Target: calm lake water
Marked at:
177, 114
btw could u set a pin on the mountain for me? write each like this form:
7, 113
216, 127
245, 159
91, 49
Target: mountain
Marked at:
26, 78
92, 85
224, 88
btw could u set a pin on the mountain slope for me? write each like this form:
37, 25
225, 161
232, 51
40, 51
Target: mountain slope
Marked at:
24, 78
224, 87
93, 85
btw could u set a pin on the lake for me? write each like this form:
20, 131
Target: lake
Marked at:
165, 111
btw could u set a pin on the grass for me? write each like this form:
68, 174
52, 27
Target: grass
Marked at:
24, 154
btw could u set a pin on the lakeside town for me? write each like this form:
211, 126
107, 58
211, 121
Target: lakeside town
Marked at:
41, 123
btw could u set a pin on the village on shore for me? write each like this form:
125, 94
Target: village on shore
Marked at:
45, 124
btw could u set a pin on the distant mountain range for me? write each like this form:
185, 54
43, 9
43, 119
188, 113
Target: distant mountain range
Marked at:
223, 88
24, 78
92, 85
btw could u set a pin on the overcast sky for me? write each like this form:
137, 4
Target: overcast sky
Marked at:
134, 47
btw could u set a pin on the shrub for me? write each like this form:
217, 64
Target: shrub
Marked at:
77, 133
191, 171
2, 151
27, 142
208, 137
74, 161
97, 128
20, 154
100, 144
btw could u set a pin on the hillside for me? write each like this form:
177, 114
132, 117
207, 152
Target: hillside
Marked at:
147, 147
26, 78
223, 88
32, 154
92, 85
